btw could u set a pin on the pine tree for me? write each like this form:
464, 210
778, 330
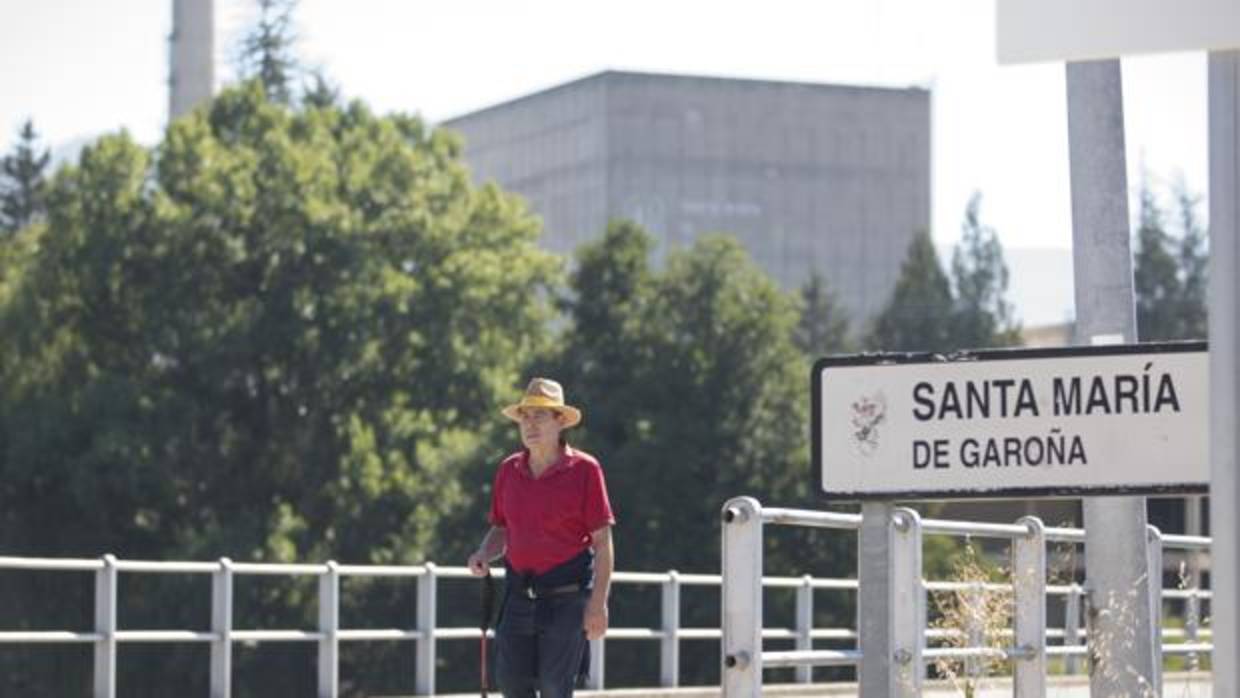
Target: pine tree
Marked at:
1193, 258
920, 314
22, 181
267, 52
320, 92
980, 276
1156, 278
823, 325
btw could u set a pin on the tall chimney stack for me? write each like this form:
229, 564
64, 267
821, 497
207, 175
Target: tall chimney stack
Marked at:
192, 55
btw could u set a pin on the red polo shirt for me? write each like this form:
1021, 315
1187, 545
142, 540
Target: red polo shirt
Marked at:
548, 520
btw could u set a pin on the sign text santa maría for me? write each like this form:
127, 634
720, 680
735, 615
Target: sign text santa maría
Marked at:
1013, 423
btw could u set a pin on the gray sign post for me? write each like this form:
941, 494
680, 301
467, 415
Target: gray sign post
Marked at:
876, 634
1115, 527
1036, 30
1224, 369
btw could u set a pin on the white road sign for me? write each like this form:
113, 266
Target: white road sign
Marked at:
1058, 30
1036, 422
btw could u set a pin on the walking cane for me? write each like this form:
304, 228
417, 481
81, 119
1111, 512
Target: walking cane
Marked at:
488, 601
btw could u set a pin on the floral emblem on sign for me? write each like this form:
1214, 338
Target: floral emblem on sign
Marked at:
867, 413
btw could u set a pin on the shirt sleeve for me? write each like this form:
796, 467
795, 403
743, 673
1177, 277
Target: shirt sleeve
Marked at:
496, 516
597, 507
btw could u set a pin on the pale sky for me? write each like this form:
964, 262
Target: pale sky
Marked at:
81, 68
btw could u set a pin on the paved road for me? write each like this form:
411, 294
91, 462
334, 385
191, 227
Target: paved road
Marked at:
1174, 686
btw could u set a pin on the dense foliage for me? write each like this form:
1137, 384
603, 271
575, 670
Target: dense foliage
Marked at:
283, 332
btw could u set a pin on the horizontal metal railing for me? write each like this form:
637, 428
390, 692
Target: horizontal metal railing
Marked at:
107, 636
424, 631
742, 559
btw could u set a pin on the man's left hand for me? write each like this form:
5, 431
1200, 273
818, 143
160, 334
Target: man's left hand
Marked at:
595, 622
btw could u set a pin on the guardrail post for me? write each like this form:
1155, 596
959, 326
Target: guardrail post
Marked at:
908, 604
805, 624
1192, 621
424, 681
742, 598
221, 625
669, 657
891, 602
1072, 625
105, 625
329, 624
975, 634
1154, 559
598, 664
875, 629
1029, 597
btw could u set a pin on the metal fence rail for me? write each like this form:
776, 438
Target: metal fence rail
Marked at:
745, 659
425, 633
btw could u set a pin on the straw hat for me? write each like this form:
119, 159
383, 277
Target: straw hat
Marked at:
544, 392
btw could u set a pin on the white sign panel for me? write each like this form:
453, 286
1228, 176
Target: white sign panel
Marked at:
1060, 30
1037, 422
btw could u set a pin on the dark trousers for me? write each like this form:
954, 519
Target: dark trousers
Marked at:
539, 645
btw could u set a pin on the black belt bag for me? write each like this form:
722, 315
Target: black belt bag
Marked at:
534, 593
576, 574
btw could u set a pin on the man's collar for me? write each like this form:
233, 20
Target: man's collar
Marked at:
568, 456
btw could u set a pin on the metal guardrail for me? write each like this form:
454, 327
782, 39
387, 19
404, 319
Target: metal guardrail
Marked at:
107, 636
745, 659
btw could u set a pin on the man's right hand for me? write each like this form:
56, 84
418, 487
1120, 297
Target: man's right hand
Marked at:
478, 564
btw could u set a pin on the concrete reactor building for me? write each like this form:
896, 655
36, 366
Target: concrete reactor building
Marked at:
807, 176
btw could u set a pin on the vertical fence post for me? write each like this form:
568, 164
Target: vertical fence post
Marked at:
1072, 625
742, 598
1154, 560
598, 664
105, 625
221, 626
329, 624
908, 603
424, 681
805, 625
669, 657
1029, 596
1192, 621
975, 634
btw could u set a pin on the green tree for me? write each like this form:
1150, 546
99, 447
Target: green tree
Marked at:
694, 393
611, 292
822, 328
1170, 271
980, 279
722, 391
320, 92
599, 357
22, 181
279, 335
1156, 274
921, 313
267, 51
1193, 259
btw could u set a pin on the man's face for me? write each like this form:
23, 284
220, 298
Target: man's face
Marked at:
540, 427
